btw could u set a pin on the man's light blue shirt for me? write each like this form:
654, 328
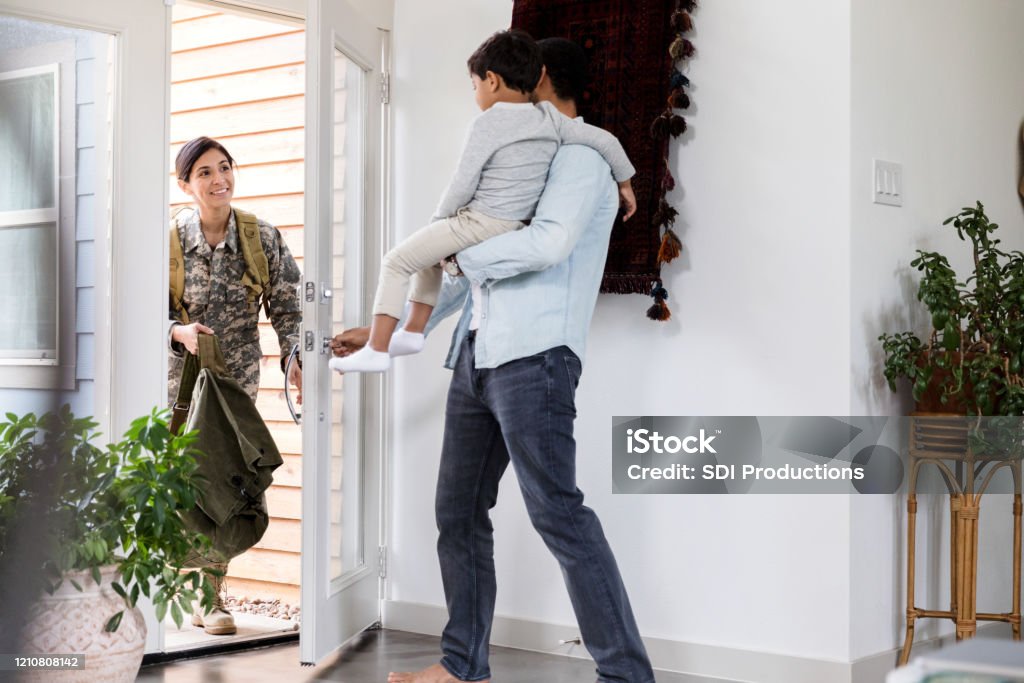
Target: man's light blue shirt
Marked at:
539, 284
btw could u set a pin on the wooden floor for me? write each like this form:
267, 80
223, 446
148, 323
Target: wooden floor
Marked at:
370, 658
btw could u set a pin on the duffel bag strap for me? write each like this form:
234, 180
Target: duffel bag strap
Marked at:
189, 374
210, 356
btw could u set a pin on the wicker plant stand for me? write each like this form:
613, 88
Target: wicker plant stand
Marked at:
941, 440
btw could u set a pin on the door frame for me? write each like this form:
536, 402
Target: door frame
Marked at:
376, 405
376, 402
138, 330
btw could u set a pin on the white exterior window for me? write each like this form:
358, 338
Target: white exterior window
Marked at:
29, 216
54, 191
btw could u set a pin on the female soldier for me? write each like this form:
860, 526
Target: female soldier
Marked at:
214, 297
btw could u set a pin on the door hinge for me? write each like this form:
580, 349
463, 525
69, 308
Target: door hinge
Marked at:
382, 560
385, 87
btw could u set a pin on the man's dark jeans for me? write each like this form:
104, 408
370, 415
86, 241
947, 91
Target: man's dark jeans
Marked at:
524, 411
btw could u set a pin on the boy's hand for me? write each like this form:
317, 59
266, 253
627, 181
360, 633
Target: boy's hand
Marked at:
628, 199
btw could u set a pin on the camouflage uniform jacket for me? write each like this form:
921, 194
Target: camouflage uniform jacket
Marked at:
215, 297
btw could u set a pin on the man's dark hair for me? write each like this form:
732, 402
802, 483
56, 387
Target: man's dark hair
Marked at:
511, 54
566, 65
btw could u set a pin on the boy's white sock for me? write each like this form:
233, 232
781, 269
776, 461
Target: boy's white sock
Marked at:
363, 360
405, 343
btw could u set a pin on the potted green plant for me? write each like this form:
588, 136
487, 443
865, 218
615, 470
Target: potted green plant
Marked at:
112, 532
972, 360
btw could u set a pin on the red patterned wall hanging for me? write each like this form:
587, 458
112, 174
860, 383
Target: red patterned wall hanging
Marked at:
635, 49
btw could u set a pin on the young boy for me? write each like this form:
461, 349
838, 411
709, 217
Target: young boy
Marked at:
496, 187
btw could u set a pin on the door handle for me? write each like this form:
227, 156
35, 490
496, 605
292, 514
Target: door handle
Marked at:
292, 358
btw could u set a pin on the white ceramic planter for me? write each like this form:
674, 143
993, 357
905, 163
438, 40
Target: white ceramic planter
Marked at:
72, 621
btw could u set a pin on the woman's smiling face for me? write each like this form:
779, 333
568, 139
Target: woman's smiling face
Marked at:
212, 180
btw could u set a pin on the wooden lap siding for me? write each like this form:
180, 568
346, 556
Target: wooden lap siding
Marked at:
241, 80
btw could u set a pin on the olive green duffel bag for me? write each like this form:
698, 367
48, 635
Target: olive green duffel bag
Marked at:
238, 455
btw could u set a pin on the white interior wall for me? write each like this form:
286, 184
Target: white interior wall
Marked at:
936, 86
759, 327
381, 13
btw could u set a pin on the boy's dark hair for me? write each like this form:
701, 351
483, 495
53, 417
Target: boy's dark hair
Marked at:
190, 153
566, 65
511, 54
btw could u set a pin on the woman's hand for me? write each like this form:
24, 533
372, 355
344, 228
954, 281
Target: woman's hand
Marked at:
295, 379
188, 335
350, 341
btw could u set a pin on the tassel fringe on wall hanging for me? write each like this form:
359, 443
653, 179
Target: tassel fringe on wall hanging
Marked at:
669, 123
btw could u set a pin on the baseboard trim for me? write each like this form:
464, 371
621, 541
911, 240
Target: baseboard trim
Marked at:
696, 659
874, 668
708, 661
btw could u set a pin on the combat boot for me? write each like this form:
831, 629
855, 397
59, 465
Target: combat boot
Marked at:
219, 622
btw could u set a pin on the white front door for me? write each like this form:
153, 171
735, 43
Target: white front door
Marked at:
341, 441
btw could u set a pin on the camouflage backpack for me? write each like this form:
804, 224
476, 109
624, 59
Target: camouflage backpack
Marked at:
256, 278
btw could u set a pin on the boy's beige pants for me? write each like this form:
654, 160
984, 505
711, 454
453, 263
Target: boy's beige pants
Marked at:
419, 255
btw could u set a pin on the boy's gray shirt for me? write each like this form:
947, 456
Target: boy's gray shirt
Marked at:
508, 151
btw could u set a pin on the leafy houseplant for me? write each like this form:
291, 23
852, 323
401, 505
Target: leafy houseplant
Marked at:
117, 505
972, 361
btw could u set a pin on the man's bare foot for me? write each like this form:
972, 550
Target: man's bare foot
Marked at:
432, 674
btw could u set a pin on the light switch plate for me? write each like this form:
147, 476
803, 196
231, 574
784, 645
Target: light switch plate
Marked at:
887, 183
